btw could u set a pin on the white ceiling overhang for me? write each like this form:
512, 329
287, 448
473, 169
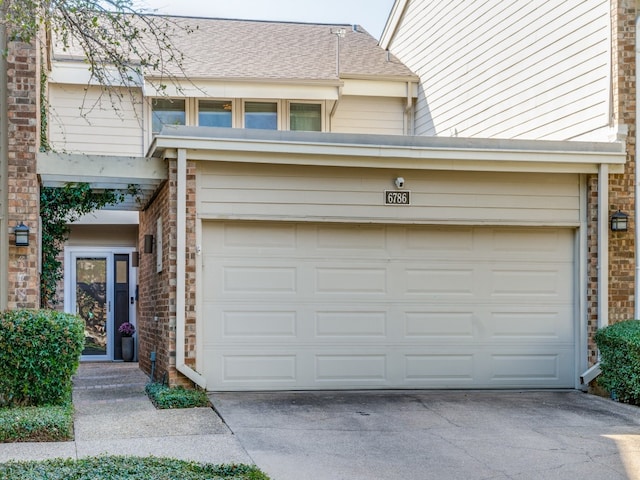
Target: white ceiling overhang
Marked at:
105, 172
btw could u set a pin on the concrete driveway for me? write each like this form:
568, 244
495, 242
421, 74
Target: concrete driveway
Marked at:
435, 435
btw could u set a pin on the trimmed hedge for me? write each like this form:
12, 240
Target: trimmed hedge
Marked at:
36, 424
619, 346
126, 468
39, 352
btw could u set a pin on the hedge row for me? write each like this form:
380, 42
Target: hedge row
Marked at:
39, 352
619, 346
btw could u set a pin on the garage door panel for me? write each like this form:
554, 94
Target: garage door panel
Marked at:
350, 324
433, 242
380, 306
526, 326
355, 280
252, 367
531, 368
542, 244
449, 281
432, 325
343, 240
528, 281
439, 369
259, 279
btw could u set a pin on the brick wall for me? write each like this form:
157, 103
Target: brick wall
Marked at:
621, 186
23, 191
157, 294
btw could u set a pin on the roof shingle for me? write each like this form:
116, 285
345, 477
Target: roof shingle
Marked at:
249, 49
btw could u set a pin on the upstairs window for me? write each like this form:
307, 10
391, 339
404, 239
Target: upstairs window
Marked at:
167, 111
262, 115
215, 113
305, 116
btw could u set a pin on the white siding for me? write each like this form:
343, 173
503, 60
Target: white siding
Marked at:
376, 115
508, 69
93, 123
228, 190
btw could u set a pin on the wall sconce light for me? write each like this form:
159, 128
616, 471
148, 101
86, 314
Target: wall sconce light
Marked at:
21, 233
148, 244
619, 222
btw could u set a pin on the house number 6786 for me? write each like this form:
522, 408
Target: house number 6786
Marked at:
392, 197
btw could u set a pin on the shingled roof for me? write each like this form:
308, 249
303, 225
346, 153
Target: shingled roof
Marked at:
247, 49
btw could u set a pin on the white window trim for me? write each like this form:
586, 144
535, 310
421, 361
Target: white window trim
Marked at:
196, 108
279, 121
287, 112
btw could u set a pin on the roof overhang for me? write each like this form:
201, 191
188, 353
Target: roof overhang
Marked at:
397, 10
105, 172
387, 151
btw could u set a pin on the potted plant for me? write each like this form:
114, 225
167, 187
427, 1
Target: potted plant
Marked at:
127, 330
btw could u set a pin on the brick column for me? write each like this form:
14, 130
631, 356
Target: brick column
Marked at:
621, 186
157, 303
23, 191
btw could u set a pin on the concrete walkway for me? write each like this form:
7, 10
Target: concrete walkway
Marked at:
115, 416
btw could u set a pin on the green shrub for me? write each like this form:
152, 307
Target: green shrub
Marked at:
36, 424
126, 468
619, 346
39, 352
178, 397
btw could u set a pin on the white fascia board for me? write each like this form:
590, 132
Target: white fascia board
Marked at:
377, 88
77, 73
392, 23
389, 156
301, 90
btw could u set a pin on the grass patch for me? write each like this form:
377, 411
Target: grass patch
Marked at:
126, 468
163, 396
36, 424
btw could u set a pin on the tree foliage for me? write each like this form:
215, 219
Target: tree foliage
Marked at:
119, 41
58, 208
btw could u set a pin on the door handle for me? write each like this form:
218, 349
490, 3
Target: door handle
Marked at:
133, 300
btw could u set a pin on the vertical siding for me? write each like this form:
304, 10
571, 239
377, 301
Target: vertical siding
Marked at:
93, 123
508, 68
376, 115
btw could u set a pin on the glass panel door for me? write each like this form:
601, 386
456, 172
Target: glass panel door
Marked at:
92, 304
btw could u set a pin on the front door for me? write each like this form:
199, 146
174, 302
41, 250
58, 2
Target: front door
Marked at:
98, 289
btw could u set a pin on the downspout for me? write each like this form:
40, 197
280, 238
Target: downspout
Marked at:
603, 263
603, 246
636, 299
334, 108
181, 245
408, 109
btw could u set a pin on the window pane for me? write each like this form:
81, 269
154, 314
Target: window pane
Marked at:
305, 116
261, 115
213, 113
167, 111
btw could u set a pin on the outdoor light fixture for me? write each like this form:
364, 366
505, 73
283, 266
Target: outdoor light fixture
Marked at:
148, 244
21, 233
619, 222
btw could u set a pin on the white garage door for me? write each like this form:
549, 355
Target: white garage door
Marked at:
313, 306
